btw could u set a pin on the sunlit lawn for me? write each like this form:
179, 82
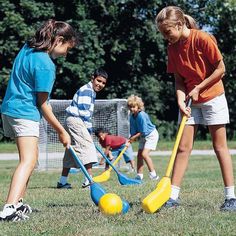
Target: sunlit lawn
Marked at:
71, 212
162, 145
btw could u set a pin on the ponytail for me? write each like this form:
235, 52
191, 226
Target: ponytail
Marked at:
190, 22
46, 35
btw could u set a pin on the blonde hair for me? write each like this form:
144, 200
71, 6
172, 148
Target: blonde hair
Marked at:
135, 101
171, 15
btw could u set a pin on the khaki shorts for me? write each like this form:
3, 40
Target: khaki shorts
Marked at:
14, 127
213, 112
84, 146
150, 141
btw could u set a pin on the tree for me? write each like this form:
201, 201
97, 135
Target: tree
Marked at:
222, 21
121, 36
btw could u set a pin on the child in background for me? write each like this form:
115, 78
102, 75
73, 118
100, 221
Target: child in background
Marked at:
79, 125
113, 145
198, 67
141, 127
26, 100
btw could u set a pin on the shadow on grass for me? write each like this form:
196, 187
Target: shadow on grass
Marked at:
67, 205
49, 187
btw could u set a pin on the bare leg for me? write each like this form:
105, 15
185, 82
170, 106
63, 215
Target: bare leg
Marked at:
132, 164
183, 153
218, 134
89, 168
147, 159
65, 172
140, 162
28, 154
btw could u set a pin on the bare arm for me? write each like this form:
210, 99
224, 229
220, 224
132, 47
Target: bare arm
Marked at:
134, 137
46, 109
107, 150
181, 95
217, 75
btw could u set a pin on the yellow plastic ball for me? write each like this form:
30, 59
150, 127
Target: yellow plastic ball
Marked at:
110, 204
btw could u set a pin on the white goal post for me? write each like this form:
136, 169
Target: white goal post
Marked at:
110, 114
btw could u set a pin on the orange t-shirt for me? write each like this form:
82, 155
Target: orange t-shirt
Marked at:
193, 60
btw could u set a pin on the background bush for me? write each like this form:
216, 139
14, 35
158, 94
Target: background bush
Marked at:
121, 36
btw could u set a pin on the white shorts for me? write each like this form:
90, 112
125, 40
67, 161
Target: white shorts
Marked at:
84, 145
150, 141
14, 127
213, 112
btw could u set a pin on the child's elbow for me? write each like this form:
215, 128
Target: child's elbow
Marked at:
223, 72
221, 69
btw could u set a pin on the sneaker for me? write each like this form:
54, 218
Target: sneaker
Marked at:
229, 205
171, 203
25, 208
66, 185
154, 177
9, 213
86, 183
138, 177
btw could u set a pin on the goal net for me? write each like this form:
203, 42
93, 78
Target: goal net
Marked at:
112, 115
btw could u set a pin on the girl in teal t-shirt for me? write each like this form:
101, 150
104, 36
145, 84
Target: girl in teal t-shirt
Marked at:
26, 99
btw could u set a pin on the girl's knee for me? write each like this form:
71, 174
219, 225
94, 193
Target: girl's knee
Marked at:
184, 149
220, 149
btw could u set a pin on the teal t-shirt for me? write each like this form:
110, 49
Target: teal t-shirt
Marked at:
33, 71
141, 123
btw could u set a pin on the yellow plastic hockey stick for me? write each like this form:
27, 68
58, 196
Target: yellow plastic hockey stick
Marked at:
155, 200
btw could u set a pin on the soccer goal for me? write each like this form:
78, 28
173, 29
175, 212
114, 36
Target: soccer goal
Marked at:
111, 115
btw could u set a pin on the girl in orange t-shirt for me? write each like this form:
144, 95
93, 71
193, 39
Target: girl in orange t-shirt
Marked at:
198, 67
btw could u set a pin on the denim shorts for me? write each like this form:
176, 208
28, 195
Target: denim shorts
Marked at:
128, 154
213, 112
15, 127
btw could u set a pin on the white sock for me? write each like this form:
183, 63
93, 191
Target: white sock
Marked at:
229, 192
140, 175
86, 181
20, 203
153, 173
63, 180
174, 192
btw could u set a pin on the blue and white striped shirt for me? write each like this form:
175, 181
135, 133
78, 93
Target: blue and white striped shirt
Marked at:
82, 105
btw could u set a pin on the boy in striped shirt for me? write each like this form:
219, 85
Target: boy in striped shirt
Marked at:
79, 125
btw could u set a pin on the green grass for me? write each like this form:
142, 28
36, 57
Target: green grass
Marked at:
8, 147
162, 146
72, 212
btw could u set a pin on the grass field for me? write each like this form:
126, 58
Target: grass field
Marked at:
162, 146
72, 212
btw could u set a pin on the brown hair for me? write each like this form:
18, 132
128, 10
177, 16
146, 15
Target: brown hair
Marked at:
171, 15
46, 35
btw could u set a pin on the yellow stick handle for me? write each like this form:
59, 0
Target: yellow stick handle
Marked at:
179, 135
118, 158
173, 154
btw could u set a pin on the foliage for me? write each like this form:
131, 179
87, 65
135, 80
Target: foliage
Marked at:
121, 36
224, 19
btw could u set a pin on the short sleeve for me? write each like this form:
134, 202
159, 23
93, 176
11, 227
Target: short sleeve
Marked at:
44, 79
209, 47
